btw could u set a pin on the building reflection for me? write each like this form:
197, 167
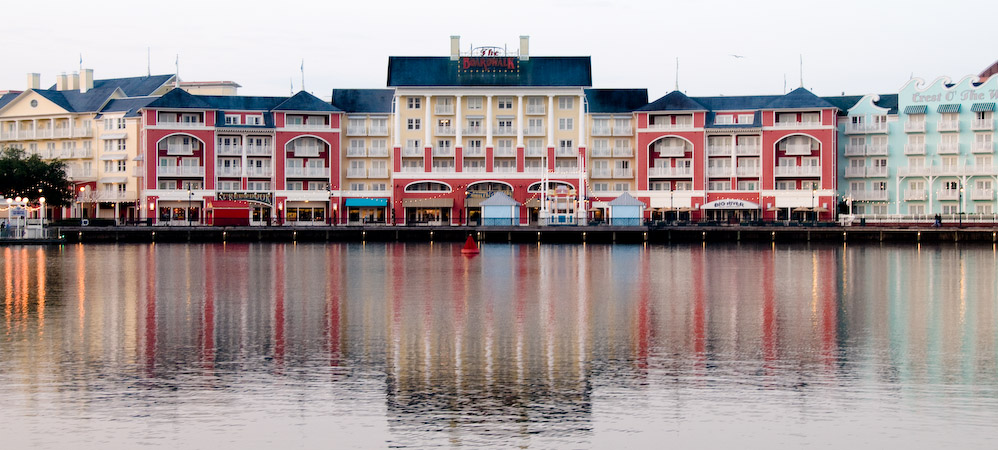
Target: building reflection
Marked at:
518, 336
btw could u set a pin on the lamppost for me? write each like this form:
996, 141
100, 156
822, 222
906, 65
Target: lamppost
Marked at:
41, 201
190, 201
813, 193
959, 202
83, 193
280, 213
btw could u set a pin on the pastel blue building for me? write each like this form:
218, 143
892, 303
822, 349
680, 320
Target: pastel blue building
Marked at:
500, 210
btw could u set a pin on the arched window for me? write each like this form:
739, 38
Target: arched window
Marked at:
428, 186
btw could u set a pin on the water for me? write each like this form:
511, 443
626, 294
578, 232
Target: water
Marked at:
415, 346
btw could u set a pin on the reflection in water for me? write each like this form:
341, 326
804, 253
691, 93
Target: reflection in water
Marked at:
376, 345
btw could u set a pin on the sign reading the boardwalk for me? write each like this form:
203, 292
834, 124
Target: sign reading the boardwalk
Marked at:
489, 64
259, 197
730, 203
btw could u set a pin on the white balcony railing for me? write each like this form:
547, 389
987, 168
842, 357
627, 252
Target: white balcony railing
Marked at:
229, 171
83, 153
982, 194
855, 172
916, 194
377, 172
674, 151
718, 150
307, 172
914, 126
948, 125
804, 124
983, 147
601, 131
223, 150
473, 169
798, 149
983, 124
797, 171
602, 152
413, 169
443, 169
443, 151
378, 152
536, 109
948, 194
356, 152
180, 171
377, 131
623, 152
472, 152
602, 172
445, 131
473, 131
670, 172
505, 131
748, 171
748, 150
503, 152
413, 151
565, 151
535, 131
876, 150
671, 126
914, 149
876, 171
355, 172
855, 150
179, 149
259, 172
620, 172
719, 171
535, 152
444, 110
948, 149
356, 131
563, 169
306, 126
867, 195
623, 131
259, 150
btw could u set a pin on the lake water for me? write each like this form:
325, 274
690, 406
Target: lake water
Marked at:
544, 346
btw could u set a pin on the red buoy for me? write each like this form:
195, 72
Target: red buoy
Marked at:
470, 247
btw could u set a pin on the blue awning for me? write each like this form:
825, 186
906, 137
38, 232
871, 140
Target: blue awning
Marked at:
952, 108
369, 202
982, 107
915, 109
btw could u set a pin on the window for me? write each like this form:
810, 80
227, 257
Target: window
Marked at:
258, 185
504, 103
659, 186
565, 143
254, 120
600, 187
122, 166
786, 185
168, 184
566, 102
621, 186
414, 102
809, 185
412, 143
565, 123
748, 185
535, 105
684, 185
746, 118
474, 103
724, 119
379, 186
719, 185
190, 118
234, 120
295, 185
857, 186
412, 124
356, 186
535, 125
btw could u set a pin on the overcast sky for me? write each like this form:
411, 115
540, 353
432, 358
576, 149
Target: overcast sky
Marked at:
856, 47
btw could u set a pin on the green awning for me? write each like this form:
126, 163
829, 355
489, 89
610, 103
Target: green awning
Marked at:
982, 107
366, 202
915, 109
952, 108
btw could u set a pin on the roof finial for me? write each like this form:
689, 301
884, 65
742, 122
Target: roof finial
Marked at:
303, 74
801, 70
176, 75
677, 73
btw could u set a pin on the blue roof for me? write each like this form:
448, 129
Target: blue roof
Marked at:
303, 101
179, 98
798, 98
739, 103
133, 86
673, 101
364, 100
130, 106
846, 102
626, 199
615, 100
536, 71
499, 199
756, 121
7, 98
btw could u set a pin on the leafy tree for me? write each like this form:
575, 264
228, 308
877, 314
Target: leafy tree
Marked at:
33, 177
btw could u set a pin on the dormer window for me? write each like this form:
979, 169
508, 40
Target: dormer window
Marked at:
254, 120
232, 120
724, 119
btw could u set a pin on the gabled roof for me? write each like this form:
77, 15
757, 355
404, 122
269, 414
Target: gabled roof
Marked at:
130, 106
615, 100
673, 101
364, 100
626, 199
179, 98
7, 98
536, 71
303, 101
798, 98
499, 199
756, 121
132, 87
845, 102
737, 103
55, 97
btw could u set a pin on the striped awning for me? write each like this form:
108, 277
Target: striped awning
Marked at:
915, 109
951, 108
982, 107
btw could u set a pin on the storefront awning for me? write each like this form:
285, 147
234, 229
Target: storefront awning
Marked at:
915, 109
951, 108
366, 202
730, 203
982, 107
428, 202
113, 157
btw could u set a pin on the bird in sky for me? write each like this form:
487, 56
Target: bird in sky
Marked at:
737, 56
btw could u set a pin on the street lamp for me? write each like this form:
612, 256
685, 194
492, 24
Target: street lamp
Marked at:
813, 193
41, 201
959, 202
190, 201
83, 193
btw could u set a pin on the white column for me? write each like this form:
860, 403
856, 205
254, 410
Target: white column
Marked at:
488, 120
551, 120
582, 121
397, 139
519, 121
458, 134
428, 135
242, 159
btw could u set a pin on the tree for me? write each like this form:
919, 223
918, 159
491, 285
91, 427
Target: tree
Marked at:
32, 177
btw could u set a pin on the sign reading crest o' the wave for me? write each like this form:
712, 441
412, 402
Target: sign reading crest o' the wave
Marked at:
489, 64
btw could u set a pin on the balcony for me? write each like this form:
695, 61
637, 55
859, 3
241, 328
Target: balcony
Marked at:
602, 172
443, 110
623, 131
378, 131
620, 172
412, 169
914, 126
670, 172
748, 171
535, 131
798, 149
623, 152
916, 195
797, 171
502, 169
718, 150
674, 151
854, 128
983, 169
473, 169
443, 151
377, 172
355, 172
804, 124
602, 152
983, 124
868, 195
443, 169
601, 131
259, 150
179, 149
855, 150
356, 130
948, 149
83, 153
748, 150
535, 152
232, 150
948, 125
115, 196
259, 172
855, 172
876, 172
180, 171
876, 127
472, 152
504, 152
914, 149
79, 173
139, 172
719, 171
565, 151
536, 109
505, 131
876, 150
182, 124
473, 131
307, 172
378, 152
306, 151
948, 194
413, 152
306, 126
533, 169
445, 131
567, 170
356, 152
982, 194
229, 171
983, 147
670, 126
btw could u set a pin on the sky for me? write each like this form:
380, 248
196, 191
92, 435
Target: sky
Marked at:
851, 47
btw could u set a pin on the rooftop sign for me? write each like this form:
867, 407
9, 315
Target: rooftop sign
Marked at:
489, 64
